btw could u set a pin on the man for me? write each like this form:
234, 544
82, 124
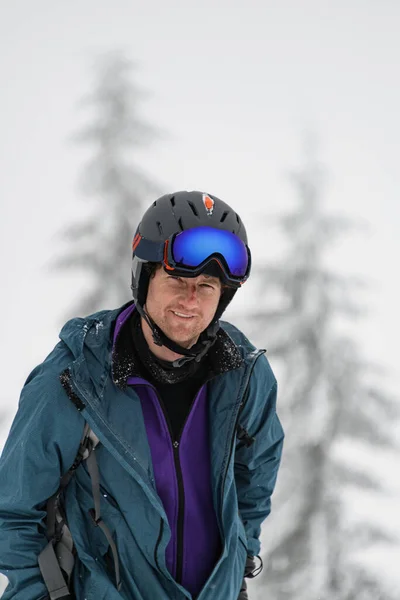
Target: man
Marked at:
169, 503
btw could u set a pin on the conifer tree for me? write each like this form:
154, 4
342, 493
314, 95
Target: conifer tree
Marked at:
99, 245
329, 395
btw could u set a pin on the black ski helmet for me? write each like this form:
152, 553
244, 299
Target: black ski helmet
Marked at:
170, 214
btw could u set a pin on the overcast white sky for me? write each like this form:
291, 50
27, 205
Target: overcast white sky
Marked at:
233, 85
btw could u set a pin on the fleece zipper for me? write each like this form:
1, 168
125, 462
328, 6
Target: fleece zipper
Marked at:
175, 444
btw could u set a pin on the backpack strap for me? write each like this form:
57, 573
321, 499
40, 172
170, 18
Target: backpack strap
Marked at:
52, 574
95, 513
57, 559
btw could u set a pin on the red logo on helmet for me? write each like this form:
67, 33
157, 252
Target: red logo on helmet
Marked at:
209, 204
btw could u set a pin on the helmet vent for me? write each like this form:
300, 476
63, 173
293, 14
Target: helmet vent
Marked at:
224, 216
194, 209
237, 218
155, 203
180, 223
172, 200
160, 229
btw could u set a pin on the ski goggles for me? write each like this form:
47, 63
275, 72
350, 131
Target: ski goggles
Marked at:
189, 252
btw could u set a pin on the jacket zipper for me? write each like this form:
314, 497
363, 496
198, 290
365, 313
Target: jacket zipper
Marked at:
240, 409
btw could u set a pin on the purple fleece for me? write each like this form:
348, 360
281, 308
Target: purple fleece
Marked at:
201, 539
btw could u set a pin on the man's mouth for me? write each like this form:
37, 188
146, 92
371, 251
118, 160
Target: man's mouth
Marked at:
179, 314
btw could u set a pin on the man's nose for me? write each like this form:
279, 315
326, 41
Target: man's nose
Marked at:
190, 295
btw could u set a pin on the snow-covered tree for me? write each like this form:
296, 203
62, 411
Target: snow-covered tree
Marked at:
98, 245
328, 395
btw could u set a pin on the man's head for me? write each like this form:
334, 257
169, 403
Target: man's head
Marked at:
200, 245
182, 307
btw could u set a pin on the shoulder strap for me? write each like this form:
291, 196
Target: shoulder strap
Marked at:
95, 513
57, 559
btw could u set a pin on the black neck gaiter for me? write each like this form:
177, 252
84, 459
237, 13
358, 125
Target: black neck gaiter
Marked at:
160, 370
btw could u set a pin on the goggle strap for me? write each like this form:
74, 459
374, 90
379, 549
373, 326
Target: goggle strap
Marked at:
150, 251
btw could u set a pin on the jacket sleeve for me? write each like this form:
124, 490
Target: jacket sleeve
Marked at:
41, 446
256, 466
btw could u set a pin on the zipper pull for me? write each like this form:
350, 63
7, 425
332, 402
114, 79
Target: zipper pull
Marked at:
176, 445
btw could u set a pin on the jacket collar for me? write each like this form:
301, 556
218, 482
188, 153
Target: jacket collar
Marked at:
224, 355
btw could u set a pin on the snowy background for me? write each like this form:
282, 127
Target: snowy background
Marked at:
234, 92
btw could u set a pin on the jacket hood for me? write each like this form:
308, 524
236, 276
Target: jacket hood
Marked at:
90, 332
89, 340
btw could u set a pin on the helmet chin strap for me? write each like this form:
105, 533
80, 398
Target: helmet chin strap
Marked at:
196, 352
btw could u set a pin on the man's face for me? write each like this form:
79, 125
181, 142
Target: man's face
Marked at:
182, 306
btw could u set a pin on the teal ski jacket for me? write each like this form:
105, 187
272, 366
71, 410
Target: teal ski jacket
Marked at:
43, 443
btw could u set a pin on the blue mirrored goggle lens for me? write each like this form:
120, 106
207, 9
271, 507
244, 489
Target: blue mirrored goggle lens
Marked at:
193, 246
